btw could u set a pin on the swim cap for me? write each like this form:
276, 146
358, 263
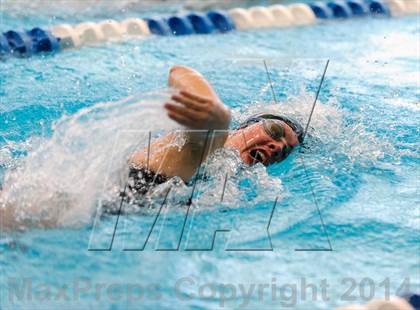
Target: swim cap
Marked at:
296, 127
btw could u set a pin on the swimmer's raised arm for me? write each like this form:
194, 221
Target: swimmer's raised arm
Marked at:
197, 107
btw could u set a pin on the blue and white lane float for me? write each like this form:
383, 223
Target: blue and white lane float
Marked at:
64, 36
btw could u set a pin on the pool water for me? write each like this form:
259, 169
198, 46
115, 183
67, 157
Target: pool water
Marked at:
341, 213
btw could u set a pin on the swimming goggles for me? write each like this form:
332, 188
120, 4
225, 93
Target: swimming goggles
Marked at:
275, 129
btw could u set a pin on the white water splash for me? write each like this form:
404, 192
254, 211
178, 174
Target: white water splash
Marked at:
63, 176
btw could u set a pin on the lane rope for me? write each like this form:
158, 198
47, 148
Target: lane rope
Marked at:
65, 36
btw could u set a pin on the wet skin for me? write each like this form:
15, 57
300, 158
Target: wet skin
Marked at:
255, 144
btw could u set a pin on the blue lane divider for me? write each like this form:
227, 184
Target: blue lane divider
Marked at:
221, 21
339, 9
43, 41
192, 24
377, 7
20, 43
158, 26
180, 26
26, 43
358, 8
321, 10
201, 23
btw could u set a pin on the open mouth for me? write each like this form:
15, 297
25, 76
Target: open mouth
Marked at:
257, 156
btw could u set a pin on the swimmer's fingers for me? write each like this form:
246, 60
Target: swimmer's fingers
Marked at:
189, 103
194, 97
180, 119
191, 114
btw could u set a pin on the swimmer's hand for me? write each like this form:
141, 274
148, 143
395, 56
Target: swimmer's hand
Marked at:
197, 112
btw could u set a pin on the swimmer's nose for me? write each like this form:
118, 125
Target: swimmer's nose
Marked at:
275, 147
275, 150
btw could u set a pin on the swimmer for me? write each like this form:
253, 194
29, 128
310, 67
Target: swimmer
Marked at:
263, 138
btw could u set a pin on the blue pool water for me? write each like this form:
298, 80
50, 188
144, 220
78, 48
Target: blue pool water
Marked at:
69, 121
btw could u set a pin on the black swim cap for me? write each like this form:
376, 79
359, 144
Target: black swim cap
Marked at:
296, 127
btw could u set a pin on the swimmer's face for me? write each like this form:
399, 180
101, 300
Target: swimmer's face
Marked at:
266, 142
